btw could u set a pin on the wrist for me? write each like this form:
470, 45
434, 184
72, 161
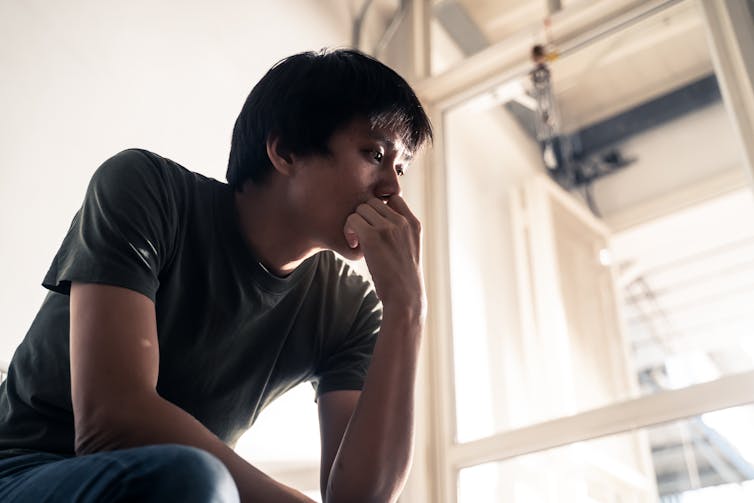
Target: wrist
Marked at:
411, 312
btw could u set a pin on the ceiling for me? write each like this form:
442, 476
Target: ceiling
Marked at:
619, 72
611, 75
499, 19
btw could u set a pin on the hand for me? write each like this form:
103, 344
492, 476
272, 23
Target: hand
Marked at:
390, 237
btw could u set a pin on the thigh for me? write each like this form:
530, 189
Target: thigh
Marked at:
143, 474
44, 477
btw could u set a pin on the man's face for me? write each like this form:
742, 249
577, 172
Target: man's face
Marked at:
363, 163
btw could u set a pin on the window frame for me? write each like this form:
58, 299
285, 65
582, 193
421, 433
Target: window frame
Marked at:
729, 32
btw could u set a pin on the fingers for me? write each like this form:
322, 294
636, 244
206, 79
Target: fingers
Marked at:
382, 209
375, 214
394, 209
398, 204
370, 213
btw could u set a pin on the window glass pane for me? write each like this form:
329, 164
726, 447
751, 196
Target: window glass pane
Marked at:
706, 459
601, 230
315, 495
688, 288
284, 441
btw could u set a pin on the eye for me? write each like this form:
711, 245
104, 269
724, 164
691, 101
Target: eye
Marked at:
377, 155
399, 170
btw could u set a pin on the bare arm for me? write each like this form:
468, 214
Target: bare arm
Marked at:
114, 369
374, 456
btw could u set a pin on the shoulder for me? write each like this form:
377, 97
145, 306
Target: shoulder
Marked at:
141, 175
138, 164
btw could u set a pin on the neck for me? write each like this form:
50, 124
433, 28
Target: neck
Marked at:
269, 228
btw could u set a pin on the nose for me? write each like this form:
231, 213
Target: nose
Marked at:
388, 184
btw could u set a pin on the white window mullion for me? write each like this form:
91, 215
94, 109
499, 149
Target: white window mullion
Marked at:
666, 406
438, 336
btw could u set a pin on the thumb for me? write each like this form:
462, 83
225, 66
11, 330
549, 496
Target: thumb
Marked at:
351, 237
354, 223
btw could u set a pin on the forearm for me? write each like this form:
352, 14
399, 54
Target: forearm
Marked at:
375, 455
157, 421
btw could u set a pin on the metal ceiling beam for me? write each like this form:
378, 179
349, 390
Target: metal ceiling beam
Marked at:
604, 134
469, 38
553, 6
460, 27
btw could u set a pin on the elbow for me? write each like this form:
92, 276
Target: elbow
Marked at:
365, 491
97, 431
380, 482
104, 423
90, 442
363, 497
84, 446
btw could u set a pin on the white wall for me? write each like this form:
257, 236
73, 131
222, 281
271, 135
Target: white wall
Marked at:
488, 154
83, 79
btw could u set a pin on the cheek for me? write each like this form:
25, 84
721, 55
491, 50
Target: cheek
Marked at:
333, 206
362, 187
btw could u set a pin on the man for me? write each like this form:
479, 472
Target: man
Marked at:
181, 306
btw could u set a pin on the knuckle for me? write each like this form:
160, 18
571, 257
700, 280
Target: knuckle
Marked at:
363, 207
385, 231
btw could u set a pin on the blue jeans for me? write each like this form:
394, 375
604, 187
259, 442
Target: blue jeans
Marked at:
158, 473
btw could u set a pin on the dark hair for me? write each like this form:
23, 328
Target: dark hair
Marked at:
307, 97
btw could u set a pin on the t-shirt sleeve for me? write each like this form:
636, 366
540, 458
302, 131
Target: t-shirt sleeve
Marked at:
123, 233
346, 367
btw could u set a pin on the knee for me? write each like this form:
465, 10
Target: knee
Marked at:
192, 475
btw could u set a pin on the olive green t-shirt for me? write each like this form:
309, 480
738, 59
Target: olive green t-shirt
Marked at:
232, 337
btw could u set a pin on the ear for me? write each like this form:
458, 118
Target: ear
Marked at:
281, 159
